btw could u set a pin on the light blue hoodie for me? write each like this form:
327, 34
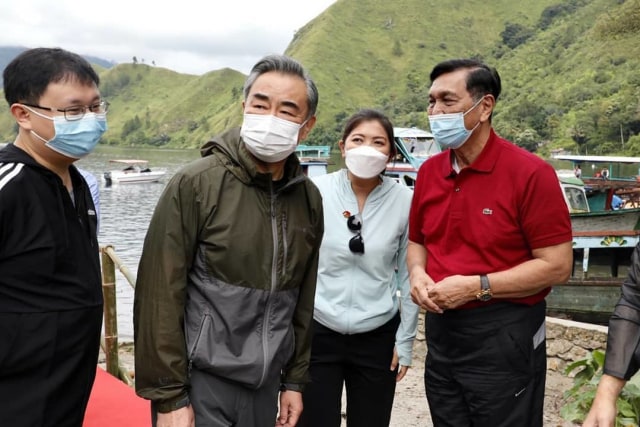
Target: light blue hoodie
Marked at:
357, 293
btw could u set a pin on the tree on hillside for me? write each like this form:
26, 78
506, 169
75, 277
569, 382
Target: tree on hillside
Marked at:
135, 60
514, 35
528, 139
579, 137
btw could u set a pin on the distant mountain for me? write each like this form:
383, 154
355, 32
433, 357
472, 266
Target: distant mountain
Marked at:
7, 53
569, 71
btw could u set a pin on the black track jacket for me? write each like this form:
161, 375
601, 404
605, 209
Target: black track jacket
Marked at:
49, 255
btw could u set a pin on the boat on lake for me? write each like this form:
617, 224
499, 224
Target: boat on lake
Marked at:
132, 171
314, 159
604, 236
414, 146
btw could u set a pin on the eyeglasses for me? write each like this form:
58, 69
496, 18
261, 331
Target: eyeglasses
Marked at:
356, 244
77, 111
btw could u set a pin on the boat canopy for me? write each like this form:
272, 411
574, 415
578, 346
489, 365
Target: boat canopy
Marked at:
129, 161
315, 151
597, 159
411, 133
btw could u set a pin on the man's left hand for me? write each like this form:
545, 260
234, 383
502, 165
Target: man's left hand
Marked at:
290, 408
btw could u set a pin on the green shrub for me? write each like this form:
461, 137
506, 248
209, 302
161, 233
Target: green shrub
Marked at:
580, 397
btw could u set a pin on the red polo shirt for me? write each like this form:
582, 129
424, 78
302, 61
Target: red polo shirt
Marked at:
488, 217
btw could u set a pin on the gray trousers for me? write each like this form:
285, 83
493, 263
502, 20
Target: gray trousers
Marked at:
218, 402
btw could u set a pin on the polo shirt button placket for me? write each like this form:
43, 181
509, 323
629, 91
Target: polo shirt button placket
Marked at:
457, 190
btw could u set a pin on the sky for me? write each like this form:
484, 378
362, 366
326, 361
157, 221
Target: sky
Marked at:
187, 36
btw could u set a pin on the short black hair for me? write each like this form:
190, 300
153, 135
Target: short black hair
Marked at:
481, 80
27, 77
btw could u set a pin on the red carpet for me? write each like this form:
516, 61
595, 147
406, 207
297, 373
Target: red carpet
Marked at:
115, 404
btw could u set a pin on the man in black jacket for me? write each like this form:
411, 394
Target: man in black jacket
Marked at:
50, 294
622, 358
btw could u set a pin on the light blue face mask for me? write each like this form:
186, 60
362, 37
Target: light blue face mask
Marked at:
75, 138
448, 129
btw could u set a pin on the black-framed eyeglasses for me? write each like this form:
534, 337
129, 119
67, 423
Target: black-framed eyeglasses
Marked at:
356, 244
77, 111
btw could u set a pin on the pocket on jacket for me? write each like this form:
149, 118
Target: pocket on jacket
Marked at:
194, 347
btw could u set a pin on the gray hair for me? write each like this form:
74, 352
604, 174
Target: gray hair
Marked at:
286, 65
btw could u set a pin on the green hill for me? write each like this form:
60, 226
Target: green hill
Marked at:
569, 70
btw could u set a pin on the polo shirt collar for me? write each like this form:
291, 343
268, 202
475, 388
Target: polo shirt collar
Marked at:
485, 161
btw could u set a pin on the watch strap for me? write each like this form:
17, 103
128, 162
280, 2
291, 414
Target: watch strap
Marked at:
485, 293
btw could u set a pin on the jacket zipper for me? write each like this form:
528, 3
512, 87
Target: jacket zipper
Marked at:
274, 279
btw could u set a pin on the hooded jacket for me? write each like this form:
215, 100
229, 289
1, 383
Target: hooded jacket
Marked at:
622, 358
49, 254
227, 277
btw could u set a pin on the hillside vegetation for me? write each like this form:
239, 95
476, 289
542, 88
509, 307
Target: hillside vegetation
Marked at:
569, 71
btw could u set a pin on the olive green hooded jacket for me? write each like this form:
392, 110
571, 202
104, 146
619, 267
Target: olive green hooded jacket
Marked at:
227, 277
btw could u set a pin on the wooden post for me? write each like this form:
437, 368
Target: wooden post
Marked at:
110, 313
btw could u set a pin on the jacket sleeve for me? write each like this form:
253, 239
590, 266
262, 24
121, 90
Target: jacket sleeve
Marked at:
296, 373
622, 358
158, 312
408, 309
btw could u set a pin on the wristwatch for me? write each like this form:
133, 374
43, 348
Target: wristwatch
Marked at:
485, 293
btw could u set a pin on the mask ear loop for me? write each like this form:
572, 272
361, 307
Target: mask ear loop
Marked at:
474, 105
465, 113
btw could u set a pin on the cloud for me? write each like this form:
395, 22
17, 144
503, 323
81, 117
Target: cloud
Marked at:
188, 36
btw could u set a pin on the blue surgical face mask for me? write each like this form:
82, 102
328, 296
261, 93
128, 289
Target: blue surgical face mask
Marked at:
75, 138
448, 129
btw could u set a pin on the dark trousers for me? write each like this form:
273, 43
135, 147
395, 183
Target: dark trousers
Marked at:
218, 402
47, 366
361, 363
486, 367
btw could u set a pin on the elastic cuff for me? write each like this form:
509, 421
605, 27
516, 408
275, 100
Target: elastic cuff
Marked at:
292, 387
172, 405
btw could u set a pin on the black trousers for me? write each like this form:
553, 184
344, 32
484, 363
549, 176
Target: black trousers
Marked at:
361, 363
47, 366
486, 367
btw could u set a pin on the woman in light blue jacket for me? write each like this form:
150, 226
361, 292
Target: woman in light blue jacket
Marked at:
363, 332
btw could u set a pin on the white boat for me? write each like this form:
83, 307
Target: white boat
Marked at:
415, 146
132, 171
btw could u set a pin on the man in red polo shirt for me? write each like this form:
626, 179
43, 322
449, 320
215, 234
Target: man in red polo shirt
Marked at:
489, 235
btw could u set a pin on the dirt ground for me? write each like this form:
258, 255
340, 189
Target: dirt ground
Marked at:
410, 407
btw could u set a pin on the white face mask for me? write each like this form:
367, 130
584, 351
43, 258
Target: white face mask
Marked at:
268, 137
365, 162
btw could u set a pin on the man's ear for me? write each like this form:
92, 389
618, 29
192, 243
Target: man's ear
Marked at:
488, 103
304, 130
21, 115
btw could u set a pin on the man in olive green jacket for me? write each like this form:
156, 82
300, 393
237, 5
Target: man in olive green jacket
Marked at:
226, 282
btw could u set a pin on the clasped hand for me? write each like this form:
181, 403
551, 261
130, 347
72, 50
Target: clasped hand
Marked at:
451, 292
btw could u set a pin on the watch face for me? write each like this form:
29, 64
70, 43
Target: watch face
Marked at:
484, 295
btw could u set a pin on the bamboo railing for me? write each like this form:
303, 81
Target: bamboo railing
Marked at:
109, 343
